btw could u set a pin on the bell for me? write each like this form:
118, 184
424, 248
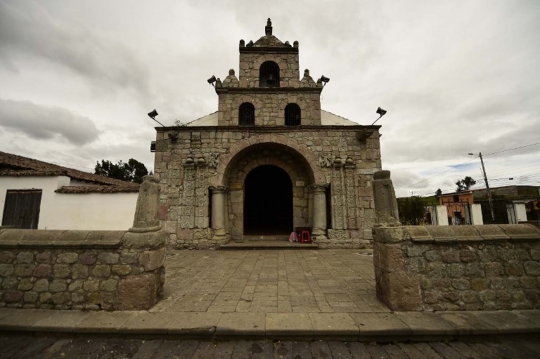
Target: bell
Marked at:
270, 79
152, 114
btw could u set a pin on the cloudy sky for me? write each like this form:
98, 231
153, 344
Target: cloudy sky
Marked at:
460, 76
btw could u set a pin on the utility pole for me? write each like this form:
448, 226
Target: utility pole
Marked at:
487, 188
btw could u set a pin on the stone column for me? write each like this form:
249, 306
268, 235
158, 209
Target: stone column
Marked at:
386, 209
218, 210
319, 211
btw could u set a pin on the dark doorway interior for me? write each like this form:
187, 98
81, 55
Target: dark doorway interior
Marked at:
268, 206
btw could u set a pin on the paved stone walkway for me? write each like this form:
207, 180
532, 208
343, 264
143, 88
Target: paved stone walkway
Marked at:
52, 347
270, 281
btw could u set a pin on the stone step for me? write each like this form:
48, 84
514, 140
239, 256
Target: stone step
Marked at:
267, 244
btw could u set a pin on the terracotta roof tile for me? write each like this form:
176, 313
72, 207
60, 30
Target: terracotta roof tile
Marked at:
97, 189
13, 165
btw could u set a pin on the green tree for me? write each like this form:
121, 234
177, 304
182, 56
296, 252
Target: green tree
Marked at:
465, 184
132, 171
411, 210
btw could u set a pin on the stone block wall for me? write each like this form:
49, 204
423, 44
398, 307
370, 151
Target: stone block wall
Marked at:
88, 270
270, 107
487, 267
250, 63
204, 157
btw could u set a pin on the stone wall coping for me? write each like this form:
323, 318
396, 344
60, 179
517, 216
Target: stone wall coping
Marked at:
457, 234
269, 90
265, 129
31, 238
474, 233
268, 49
60, 238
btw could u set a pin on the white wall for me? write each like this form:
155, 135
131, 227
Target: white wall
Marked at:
105, 211
476, 214
521, 212
442, 215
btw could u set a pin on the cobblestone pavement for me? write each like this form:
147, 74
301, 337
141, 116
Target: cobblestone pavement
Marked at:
270, 281
50, 347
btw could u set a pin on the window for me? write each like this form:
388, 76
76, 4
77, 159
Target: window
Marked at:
21, 209
269, 74
292, 115
246, 114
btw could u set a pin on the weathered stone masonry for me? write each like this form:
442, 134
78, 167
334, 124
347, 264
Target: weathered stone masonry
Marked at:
203, 158
268, 116
81, 269
485, 267
489, 267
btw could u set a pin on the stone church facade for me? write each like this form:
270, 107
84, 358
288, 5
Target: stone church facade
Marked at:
269, 160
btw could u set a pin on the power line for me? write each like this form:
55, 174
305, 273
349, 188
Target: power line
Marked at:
455, 166
512, 149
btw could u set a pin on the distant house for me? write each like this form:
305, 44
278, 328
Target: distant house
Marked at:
458, 206
511, 204
41, 195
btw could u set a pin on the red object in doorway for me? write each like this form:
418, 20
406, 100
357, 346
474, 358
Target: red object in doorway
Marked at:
305, 237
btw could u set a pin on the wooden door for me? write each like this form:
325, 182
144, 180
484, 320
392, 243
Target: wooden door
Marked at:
21, 209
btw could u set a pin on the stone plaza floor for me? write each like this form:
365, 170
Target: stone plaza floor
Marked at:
270, 281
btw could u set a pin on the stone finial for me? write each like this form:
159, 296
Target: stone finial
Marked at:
242, 43
147, 210
295, 44
386, 209
231, 72
268, 28
307, 81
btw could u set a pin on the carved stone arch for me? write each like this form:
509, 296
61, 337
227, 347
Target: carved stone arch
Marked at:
300, 101
294, 173
309, 158
239, 100
263, 58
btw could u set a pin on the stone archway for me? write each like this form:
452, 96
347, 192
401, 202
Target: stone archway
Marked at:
228, 192
268, 201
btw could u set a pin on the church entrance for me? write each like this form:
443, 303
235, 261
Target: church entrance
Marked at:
268, 202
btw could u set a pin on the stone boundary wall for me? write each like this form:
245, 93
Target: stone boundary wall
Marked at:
486, 267
86, 270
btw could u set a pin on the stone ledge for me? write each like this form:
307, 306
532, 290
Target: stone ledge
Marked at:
385, 327
30, 238
460, 234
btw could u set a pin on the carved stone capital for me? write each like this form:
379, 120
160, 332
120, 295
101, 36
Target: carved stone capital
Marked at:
318, 187
218, 189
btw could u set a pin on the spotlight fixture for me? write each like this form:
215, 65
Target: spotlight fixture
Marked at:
381, 112
153, 115
211, 80
324, 80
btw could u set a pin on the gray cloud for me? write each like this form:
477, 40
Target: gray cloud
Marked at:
41, 122
27, 29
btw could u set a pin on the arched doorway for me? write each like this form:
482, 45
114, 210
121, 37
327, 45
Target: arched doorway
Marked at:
268, 201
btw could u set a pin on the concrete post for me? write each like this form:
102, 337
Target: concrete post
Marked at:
218, 210
386, 209
319, 211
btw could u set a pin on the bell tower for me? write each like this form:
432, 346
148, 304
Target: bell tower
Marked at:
268, 90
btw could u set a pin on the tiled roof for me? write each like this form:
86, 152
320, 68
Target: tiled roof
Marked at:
16, 166
97, 189
327, 119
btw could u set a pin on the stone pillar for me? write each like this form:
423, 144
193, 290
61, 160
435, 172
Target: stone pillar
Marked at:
218, 210
147, 210
319, 211
386, 209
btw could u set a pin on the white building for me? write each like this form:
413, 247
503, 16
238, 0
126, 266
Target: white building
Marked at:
41, 195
